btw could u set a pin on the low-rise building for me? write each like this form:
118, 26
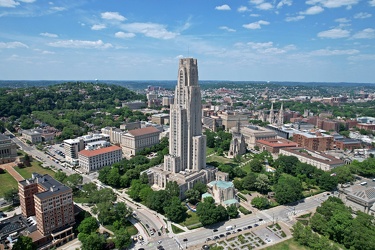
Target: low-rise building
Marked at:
135, 104
274, 145
32, 135
137, 139
252, 133
161, 119
94, 158
319, 160
212, 122
223, 192
316, 141
8, 149
347, 143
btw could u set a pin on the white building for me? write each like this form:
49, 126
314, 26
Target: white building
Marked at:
137, 139
94, 159
73, 146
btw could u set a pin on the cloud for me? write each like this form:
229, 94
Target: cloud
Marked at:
342, 20
222, 7
121, 34
12, 45
56, 9
244, 9
362, 15
27, 1
294, 18
336, 52
227, 29
312, 10
153, 30
81, 44
372, 3
254, 15
8, 3
334, 33
333, 3
284, 2
368, 57
261, 4
113, 16
368, 33
255, 25
98, 27
269, 48
46, 34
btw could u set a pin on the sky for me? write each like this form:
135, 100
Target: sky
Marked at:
234, 40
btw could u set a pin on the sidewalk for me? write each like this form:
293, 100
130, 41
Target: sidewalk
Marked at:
9, 167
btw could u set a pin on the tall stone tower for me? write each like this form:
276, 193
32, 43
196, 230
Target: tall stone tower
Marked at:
271, 118
187, 144
280, 119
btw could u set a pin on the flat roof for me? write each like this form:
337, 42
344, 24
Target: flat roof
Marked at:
278, 142
316, 156
144, 131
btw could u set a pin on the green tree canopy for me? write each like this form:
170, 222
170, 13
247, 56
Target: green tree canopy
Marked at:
288, 189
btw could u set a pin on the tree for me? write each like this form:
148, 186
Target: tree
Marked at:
201, 187
175, 211
287, 164
260, 202
232, 211
248, 181
24, 243
343, 174
9, 195
113, 177
256, 165
122, 238
88, 225
73, 180
193, 196
157, 200
93, 241
288, 189
172, 189
60, 176
262, 183
209, 214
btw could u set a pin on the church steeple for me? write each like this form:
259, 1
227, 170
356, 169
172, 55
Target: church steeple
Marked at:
271, 117
280, 120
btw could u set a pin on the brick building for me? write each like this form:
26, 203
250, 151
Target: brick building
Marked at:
274, 145
314, 140
94, 159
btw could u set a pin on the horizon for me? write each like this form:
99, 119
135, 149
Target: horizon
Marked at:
277, 40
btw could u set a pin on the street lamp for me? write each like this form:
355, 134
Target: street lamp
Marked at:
186, 240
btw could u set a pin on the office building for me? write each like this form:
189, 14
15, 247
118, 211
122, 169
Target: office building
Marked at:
314, 140
95, 157
8, 149
137, 139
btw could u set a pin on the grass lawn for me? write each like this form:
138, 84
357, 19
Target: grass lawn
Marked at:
129, 227
246, 168
177, 230
220, 159
287, 245
35, 167
192, 219
7, 183
209, 151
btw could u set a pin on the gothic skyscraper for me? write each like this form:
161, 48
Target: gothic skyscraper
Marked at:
187, 144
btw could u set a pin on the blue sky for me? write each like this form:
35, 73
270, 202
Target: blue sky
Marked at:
265, 40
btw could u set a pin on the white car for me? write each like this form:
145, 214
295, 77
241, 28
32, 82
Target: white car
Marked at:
159, 241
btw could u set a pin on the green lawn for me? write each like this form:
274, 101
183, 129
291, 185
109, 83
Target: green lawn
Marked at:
7, 183
209, 151
220, 159
176, 230
192, 219
35, 167
287, 245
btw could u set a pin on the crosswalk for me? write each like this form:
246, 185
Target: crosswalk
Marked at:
291, 213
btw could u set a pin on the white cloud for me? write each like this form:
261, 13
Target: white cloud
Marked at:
342, 20
255, 25
113, 16
334, 33
12, 45
336, 52
284, 2
98, 27
121, 34
333, 3
244, 9
47, 52
269, 48
27, 1
254, 15
368, 33
368, 57
362, 15
222, 7
153, 30
227, 29
8, 3
81, 44
57, 8
294, 18
312, 10
372, 3
261, 4
46, 34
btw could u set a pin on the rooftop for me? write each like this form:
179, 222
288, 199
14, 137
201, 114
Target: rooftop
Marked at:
278, 143
90, 153
221, 184
144, 131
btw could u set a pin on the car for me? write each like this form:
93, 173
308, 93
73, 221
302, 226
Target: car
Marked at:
215, 230
255, 225
159, 242
222, 235
216, 237
248, 227
154, 230
228, 233
159, 233
260, 219
141, 248
160, 247
151, 232
184, 240
208, 239
239, 230
244, 228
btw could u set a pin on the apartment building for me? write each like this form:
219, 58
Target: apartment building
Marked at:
52, 205
93, 159
314, 140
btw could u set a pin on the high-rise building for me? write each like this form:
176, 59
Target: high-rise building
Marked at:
186, 161
187, 144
